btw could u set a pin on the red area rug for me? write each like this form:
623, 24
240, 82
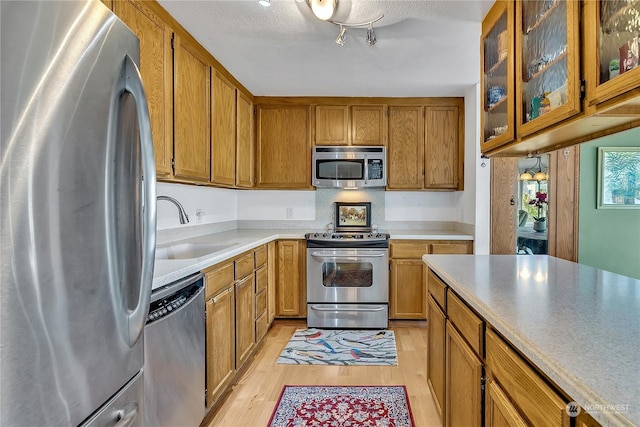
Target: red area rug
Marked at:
342, 406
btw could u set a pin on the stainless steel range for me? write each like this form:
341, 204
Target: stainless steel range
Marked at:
348, 279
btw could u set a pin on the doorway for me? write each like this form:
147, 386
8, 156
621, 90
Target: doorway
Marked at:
517, 202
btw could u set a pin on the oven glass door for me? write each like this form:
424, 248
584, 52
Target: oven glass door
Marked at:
347, 275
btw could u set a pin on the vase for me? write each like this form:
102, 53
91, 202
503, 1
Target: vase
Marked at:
540, 226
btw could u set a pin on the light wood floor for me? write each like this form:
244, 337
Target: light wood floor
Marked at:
254, 397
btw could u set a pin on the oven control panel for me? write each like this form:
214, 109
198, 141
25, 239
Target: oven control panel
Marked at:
347, 240
347, 236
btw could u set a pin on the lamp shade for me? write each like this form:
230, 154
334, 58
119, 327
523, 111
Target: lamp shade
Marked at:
323, 9
526, 176
540, 176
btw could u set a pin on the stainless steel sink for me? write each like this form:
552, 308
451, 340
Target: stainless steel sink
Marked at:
189, 250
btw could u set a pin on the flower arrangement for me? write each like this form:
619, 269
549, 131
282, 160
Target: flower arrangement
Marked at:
539, 201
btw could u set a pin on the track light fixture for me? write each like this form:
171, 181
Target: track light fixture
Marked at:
325, 9
371, 36
341, 34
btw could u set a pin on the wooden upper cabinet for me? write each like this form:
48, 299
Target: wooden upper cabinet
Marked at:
157, 75
405, 151
283, 147
443, 149
497, 76
547, 64
244, 141
223, 132
612, 34
368, 125
332, 125
192, 92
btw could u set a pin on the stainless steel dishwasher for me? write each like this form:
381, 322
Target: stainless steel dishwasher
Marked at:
174, 355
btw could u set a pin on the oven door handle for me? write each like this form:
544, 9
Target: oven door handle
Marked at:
356, 256
320, 308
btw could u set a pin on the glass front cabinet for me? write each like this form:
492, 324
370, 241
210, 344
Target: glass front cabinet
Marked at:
614, 42
547, 63
497, 77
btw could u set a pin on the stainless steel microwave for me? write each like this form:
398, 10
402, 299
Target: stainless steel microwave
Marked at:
349, 167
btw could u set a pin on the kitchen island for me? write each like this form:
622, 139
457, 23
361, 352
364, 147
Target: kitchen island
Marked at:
579, 326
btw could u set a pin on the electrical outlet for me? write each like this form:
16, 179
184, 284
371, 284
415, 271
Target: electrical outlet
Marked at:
289, 213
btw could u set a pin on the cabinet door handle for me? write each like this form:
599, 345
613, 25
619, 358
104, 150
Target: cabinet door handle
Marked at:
221, 294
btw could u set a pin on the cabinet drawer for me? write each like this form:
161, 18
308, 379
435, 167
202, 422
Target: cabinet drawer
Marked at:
463, 247
244, 266
261, 303
407, 249
261, 278
217, 279
437, 289
260, 255
466, 322
262, 325
535, 398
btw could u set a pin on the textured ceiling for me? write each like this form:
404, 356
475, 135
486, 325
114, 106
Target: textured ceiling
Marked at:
424, 48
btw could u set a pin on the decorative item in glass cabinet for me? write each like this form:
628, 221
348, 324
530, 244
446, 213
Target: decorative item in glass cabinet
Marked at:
619, 37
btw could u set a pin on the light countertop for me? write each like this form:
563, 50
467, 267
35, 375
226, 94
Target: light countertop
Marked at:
579, 325
168, 271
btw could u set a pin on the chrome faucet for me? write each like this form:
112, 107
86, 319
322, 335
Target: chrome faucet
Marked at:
184, 218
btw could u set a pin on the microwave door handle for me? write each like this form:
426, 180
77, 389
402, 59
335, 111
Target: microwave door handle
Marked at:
366, 169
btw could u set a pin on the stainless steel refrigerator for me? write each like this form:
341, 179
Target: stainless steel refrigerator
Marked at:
77, 205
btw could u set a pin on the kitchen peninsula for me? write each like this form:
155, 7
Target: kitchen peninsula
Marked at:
556, 321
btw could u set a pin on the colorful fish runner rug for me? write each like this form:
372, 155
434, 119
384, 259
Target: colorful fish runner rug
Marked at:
342, 406
340, 347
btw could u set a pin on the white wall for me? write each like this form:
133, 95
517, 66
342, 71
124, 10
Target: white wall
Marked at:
272, 205
217, 205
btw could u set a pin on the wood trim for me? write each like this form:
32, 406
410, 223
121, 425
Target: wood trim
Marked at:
320, 100
564, 183
504, 174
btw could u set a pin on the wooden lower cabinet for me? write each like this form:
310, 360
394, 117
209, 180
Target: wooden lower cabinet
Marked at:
291, 280
407, 276
221, 344
245, 319
538, 402
271, 281
463, 378
236, 316
499, 411
407, 292
436, 354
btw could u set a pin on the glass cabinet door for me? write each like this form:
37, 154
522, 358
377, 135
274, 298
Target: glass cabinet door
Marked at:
547, 63
616, 44
497, 77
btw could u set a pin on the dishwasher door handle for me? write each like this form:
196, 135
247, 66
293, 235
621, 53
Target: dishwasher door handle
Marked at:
372, 309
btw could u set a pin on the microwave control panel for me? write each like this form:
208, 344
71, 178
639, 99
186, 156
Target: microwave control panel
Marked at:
375, 168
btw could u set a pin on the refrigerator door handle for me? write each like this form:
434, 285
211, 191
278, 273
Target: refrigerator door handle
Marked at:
127, 415
137, 317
